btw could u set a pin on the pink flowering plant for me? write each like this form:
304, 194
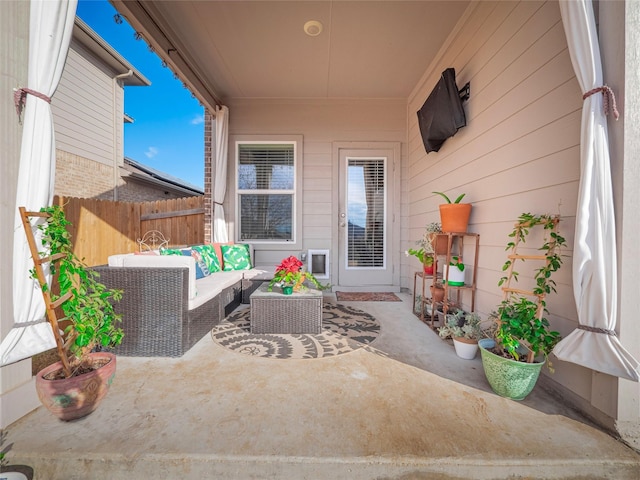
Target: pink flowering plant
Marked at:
290, 272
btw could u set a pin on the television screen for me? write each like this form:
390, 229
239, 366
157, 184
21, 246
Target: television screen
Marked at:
442, 114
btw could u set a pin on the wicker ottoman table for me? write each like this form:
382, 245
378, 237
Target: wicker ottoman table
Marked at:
274, 312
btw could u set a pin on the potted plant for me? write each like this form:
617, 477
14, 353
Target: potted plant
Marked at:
465, 330
74, 386
290, 277
454, 215
437, 292
522, 338
428, 246
425, 258
454, 272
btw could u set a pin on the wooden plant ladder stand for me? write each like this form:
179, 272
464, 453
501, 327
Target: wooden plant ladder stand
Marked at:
514, 256
50, 305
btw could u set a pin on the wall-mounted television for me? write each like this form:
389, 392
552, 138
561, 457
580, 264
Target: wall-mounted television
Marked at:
442, 114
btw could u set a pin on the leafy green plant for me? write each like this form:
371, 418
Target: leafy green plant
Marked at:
544, 283
87, 305
457, 200
520, 323
462, 325
425, 249
424, 257
455, 262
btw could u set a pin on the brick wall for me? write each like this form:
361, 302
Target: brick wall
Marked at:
80, 177
131, 191
83, 178
208, 152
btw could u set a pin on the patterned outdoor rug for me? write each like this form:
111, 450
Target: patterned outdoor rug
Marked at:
367, 297
345, 329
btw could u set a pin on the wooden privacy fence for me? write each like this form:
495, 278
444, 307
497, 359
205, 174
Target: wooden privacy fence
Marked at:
100, 228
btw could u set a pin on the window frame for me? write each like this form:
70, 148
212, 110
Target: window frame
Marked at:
296, 192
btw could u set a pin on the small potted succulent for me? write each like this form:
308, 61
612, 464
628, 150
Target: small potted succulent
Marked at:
291, 278
428, 246
465, 330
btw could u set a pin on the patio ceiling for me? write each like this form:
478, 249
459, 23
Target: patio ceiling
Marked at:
258, 49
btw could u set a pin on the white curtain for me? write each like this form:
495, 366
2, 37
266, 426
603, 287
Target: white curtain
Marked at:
50, 29
594, 344
220, 174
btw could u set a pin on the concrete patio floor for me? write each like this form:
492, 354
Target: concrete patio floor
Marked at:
413, 411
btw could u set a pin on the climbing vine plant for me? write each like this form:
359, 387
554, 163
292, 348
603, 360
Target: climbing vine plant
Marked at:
520, 319
88, 309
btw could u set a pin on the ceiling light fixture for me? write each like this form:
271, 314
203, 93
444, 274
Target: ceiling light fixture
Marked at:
313, 28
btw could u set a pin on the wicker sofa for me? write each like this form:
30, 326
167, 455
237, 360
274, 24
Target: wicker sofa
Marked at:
165, 309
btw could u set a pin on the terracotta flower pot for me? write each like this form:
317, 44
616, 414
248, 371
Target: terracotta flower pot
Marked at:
455, 217
437, 294
440, 243
76, 397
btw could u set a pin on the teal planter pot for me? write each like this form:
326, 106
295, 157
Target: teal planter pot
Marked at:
508, 378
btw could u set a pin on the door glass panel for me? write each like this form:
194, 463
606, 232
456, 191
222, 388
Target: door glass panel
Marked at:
366, 207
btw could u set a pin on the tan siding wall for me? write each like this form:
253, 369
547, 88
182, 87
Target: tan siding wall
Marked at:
518, 153
83, 109
320, 123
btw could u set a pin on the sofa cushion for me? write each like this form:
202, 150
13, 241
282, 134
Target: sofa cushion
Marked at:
158, 261
208, 255
217, 246
209, 287
236, 257
202, 270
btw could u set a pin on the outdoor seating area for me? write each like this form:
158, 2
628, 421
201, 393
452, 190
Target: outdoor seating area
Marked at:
393, 409
168, 303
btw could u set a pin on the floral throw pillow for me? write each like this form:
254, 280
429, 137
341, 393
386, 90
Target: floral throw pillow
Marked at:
208, 256
236, 257
201, 268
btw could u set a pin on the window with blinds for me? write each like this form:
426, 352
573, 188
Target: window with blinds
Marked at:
266, 191
366, 207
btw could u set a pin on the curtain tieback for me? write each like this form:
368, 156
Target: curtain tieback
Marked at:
218, 203
20, 97
597, 330
609, 102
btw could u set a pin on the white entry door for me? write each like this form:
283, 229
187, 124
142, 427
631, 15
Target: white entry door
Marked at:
366, 218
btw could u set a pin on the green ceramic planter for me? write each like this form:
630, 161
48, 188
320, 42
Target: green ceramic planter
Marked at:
508, 378
287, 289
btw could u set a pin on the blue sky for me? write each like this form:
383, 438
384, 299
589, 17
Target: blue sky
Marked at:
168, 130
